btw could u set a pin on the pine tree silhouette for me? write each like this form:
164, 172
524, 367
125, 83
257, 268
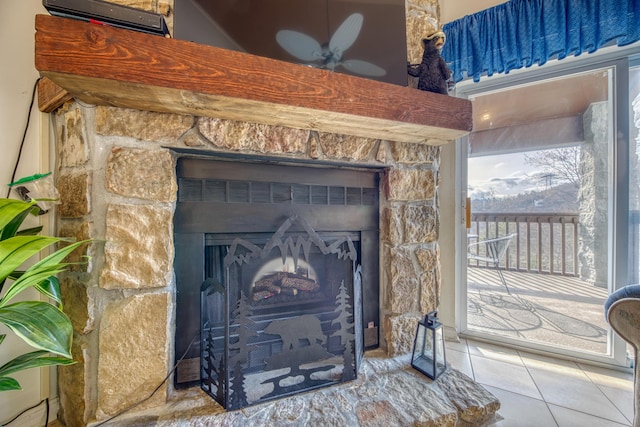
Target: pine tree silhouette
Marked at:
349, 370
222, 383
240, 350
344, 313
246, 329
345, 330
208, 368
238, 398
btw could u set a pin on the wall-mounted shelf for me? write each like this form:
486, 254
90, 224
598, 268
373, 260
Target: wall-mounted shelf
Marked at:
111, 66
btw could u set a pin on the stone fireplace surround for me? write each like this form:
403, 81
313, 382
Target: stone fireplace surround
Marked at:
116, 175
117, 179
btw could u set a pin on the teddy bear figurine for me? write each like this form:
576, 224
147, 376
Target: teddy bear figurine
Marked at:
433, 73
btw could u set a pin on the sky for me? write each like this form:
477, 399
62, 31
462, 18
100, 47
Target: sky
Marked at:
505, 174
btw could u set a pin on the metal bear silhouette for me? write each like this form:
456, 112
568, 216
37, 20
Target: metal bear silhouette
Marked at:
295, 329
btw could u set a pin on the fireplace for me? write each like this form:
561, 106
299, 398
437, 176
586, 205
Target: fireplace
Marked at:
277, 277
116, 173
156, 187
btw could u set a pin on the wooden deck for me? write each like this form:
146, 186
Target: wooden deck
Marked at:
555, 310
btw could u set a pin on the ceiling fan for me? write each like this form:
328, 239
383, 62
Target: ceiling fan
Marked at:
330, 55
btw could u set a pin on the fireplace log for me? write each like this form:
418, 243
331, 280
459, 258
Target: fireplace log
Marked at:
269, 280
259, 296
278, 282
270, 287
299, 282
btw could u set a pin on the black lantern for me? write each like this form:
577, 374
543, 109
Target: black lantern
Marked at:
428, 348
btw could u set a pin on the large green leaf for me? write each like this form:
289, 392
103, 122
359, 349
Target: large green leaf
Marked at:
39, 272
12, 227
16, 250
35, 359
60, 254
12, 215
7, 384
28, 279
11, 210
29, 231
50, 287
39, 324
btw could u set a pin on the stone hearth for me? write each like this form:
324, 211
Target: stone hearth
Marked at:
388, 392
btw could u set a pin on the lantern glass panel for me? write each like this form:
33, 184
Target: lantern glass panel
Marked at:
428, 350
440, 364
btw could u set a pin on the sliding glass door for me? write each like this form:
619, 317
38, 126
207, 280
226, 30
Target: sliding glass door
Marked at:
544, 191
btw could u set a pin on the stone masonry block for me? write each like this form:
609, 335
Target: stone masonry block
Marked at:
392, 227
143, 125
336, 146
72, 381
133, 353
73, 150
403, 292
74, 195
139, 247
399, 332
76, 303
410, 184
144, 174
428, 257
414, 154
421, 224
429, 290
243, 136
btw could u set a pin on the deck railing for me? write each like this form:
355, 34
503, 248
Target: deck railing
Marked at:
546, 242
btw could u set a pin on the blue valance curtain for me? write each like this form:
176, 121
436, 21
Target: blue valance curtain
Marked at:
521, 33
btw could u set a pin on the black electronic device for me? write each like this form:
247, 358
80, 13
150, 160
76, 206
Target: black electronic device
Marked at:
364, 38
106, 13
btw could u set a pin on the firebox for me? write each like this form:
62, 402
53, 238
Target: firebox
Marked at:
277, 277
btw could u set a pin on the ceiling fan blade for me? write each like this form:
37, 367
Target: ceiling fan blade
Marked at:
363, 67
346, 34
299, 45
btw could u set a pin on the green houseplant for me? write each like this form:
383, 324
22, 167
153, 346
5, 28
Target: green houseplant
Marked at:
41, 324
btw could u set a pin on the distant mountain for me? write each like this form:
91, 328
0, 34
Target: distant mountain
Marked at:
561, 198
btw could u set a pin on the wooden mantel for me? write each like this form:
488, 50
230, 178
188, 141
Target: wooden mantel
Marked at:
105, 65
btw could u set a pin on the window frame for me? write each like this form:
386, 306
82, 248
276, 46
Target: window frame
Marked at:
620, 61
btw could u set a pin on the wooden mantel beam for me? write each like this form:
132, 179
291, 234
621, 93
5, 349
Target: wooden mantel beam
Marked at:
111, 66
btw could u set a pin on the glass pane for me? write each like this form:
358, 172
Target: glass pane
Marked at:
539, 179
633, 276
634, 181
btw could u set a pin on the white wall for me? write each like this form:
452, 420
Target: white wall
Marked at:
17, 78
450, 10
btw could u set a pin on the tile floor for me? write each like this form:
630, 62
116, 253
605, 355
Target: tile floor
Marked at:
541, 391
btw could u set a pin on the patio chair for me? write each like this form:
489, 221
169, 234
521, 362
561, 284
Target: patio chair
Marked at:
494, 251
622, 310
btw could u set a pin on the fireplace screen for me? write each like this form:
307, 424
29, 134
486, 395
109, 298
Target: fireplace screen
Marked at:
277, 276
279, 313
